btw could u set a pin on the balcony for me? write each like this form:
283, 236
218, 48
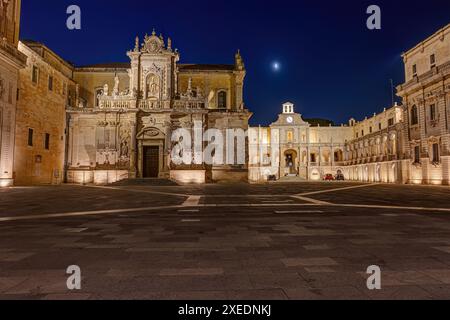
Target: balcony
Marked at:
115, 103
149, 105
189, 104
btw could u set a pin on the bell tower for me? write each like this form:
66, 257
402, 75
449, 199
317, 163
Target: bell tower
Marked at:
288, 108
152, 73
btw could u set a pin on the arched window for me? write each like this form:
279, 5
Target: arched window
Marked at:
222, 100
414, 115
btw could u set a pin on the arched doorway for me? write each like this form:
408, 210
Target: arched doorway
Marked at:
290, 157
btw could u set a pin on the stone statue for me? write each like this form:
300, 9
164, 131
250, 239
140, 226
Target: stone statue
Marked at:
136, 45
153, 87
239, 62
124, 150
116, 86
189, 89
105, 89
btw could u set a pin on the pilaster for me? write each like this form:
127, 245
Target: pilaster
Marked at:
425, 170
445, 160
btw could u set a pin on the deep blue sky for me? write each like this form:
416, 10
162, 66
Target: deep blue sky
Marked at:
332, 66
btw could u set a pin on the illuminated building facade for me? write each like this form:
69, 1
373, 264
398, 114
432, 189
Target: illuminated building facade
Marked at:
11, 61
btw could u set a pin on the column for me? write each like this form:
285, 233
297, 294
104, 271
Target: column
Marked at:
133, 151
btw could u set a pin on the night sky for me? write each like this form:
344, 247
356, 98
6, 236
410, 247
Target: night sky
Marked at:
329, 64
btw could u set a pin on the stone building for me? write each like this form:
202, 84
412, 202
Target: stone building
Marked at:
376, 151
11, 61
108, 122
426, 99
45, 85
124, 115
403, 144
292, 148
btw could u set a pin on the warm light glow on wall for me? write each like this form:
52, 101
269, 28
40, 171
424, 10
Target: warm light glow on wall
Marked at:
188, 176
6, 183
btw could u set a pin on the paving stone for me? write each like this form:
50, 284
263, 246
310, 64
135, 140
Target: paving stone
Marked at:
309, 262
233, 252
191, 272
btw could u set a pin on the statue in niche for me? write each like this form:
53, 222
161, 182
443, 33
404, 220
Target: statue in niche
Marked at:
124, 149
152, 86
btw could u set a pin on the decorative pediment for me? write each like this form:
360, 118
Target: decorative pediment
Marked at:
433, 140
154, 44
150, 133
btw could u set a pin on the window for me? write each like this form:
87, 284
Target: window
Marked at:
370, 130
30, 137
362, 133
379, 126
47, 141
416, 154
313, 157
433, 60
414, 116
17, 94
222, 100
391, 122
414, 70
35, 75
432, 112
436, 157
50, 83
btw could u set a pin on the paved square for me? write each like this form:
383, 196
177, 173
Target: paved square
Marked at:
268, 241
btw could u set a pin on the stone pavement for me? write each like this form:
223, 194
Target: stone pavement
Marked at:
271, 241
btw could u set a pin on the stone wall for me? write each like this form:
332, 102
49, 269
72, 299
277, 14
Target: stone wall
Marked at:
41, 109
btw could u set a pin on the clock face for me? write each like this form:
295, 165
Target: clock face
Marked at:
290, 119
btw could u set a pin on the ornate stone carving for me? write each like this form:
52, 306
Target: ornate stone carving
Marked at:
153, 44
152, 132
148, 121
239, 62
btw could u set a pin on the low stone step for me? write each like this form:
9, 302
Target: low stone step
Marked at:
145, 182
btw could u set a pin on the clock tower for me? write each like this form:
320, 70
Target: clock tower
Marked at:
288, 108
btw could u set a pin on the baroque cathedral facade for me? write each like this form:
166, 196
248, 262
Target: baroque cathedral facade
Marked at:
121, 124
